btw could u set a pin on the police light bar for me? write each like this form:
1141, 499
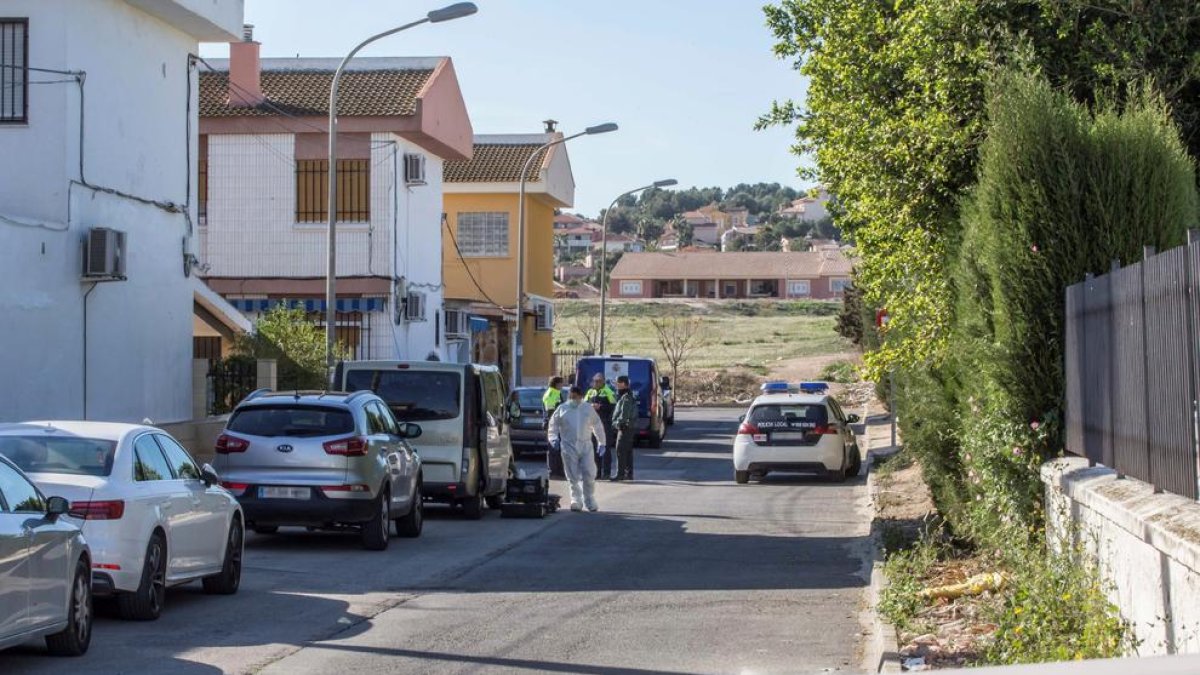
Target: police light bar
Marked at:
814, 387
776, 387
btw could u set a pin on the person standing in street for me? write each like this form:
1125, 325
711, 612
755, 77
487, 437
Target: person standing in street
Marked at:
552, 398
624, 420
603, 401
571, 430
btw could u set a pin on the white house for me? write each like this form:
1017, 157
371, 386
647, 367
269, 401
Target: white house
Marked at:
98, 129
813, 207
263, 180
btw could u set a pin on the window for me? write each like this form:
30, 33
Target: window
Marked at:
799, 288
389, 422
762, 287
631, 288
543, 316
839, 285
414, 169
312, 190
730, 288
413, 395
14, 71
483, 235
299, 421
183, 464
19, 495
150, 463
414, 306
57, 454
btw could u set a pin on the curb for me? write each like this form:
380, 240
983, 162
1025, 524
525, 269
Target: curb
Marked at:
882, 653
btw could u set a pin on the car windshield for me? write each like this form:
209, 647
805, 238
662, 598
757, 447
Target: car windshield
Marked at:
789, 416
413, 395
59, 454
292, 420
530, 398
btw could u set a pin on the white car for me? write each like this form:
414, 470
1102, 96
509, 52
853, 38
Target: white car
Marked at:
800, 430
151, 516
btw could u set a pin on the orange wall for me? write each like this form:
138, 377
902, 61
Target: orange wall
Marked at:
498, 276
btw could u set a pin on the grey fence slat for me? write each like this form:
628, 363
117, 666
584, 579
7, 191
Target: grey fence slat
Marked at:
1169, 355
1075, 366
1129, 442
1097, 379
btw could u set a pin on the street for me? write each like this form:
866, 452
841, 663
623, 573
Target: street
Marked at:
681, 571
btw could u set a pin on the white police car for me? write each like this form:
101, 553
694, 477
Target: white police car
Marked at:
795, 428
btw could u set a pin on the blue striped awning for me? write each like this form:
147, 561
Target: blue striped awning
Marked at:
309, 304
479, 325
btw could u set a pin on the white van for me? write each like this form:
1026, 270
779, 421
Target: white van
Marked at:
465, 445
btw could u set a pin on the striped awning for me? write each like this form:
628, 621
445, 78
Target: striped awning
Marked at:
479, 324
309, 304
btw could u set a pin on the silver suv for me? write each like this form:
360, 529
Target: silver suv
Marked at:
322, 460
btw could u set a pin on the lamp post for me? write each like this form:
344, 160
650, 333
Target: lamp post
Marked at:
448, 13
518, 333
668, 182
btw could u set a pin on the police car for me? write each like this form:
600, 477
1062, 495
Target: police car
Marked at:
795, 428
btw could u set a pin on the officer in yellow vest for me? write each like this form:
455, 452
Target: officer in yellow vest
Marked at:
603, 400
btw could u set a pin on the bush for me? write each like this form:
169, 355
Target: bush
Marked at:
296, 344
842, 372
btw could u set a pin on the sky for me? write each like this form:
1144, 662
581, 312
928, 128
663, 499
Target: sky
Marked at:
684, 79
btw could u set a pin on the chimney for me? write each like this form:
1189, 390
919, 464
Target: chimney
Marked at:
551, 126
245, 70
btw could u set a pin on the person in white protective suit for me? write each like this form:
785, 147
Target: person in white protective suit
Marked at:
571, 429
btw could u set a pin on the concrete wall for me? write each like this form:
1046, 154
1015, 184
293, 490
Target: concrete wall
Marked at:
1148, 546
137, 136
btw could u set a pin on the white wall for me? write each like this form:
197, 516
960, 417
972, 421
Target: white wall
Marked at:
252, 231
136, 141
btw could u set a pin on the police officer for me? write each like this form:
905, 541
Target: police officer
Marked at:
552, 398
603, 401
624, 419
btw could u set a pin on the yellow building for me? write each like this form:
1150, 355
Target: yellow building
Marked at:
479, 250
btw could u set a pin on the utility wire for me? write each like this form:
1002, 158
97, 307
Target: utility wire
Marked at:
467, 267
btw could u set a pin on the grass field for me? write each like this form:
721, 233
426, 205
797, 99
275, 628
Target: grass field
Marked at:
753, 336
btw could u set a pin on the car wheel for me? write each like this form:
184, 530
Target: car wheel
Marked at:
265, 529
375, 531
741, 477
855, 463
473, 505
146, 603
411, 524
75, 638
227, 582
656, 439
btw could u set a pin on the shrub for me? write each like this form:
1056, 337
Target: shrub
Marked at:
843, 372
295, 342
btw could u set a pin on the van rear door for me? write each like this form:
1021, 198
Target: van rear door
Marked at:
430, 398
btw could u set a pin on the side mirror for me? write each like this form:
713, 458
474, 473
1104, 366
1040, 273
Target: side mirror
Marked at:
410, 430
853, 419
57, 506
209, 475
741, 418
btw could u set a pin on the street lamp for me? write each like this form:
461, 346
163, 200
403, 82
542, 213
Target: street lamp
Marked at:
448, 13
517, 349
668, 182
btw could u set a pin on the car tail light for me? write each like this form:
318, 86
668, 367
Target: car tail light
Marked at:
355, 446
235, 488
824, 429
227, 444
345, 488
748, 429
105, 566
105, 510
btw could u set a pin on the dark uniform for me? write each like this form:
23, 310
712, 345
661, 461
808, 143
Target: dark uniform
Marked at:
604, 401
625, 419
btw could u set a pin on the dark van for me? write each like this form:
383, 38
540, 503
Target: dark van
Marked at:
462, 409
646, 385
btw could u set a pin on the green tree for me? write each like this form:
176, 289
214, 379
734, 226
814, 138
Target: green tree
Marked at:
295, 342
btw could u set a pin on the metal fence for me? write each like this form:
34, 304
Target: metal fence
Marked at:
229, 381
1133, 369
565, 361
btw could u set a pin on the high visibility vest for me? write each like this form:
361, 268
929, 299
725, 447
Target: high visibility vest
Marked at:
551, 399
605, 392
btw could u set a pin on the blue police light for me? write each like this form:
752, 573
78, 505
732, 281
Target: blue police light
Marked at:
814, 387
776, 387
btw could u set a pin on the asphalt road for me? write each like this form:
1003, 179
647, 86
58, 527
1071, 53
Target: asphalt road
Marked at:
682, 571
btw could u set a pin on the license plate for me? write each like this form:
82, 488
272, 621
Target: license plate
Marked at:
284, 493
531, 420
788, 436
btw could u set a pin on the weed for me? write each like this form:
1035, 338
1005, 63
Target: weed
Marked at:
843, 372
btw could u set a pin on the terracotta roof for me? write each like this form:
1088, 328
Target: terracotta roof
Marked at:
569, 218
305, 92
496, 163
739, 265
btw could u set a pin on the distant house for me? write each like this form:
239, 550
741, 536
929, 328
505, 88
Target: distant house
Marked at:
567, 220
567, 273
617, 242
577, 239
735, 233
685, 274
809, 208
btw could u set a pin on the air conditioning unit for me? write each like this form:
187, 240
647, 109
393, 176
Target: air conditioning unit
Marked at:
457, 323
104, 254
414, 306
414, 169
545, 316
